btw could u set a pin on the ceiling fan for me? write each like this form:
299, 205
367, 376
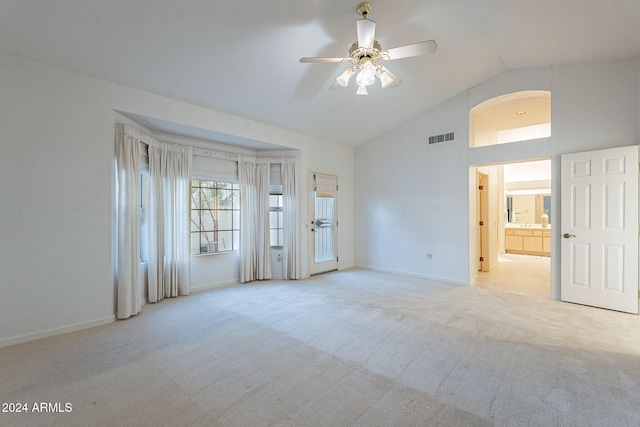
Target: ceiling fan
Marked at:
366, 52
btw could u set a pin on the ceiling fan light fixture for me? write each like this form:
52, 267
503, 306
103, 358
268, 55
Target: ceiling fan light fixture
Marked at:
385, 79
343, 79
362, 90
366, 76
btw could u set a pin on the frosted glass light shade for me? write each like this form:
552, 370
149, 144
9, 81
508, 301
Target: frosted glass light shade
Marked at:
343, 79
362, 90
385, 80
366, 76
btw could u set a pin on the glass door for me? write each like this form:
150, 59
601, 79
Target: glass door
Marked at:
323, 223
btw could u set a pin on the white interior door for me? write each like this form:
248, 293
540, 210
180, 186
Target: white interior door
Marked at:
599, 232
323, 222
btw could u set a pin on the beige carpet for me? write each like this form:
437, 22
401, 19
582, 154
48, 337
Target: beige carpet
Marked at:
346, 349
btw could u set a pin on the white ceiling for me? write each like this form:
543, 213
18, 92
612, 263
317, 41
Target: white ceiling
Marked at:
241, 57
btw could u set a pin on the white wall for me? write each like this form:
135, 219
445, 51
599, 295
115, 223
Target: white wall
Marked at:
413, 198
57, 187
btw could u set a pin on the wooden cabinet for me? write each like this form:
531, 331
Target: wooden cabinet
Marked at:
530, 241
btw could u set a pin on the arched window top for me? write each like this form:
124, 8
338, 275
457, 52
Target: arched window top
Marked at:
512, 117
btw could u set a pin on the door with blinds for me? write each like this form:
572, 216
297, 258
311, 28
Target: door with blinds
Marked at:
323, 224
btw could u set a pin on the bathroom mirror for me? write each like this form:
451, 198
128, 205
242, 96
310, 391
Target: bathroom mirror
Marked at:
528, 208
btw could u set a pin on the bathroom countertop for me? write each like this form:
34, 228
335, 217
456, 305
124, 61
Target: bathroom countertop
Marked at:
537, 226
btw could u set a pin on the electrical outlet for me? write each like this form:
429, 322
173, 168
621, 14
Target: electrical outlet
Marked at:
429, 256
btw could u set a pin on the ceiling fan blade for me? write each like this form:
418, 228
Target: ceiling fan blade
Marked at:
409, 50
318, 59
335, 86
397, 81
366, 33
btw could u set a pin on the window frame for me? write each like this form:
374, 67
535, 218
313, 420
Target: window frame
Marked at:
279, 211
201, 230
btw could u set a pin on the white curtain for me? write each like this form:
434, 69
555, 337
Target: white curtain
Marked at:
169, 250
255, 250
263, 236
128, 199
289, 199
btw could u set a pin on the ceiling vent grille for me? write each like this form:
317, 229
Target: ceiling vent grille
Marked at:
443, 137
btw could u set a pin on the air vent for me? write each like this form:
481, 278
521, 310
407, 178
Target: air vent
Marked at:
443, 137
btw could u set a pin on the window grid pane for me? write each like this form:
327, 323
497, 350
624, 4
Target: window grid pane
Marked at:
276, 219
215, 215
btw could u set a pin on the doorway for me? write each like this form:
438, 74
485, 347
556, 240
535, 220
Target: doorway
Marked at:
515, 223
323, 222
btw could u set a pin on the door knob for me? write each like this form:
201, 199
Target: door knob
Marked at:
567, 235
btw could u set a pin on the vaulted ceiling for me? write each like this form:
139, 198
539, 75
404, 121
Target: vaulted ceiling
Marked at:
241, 57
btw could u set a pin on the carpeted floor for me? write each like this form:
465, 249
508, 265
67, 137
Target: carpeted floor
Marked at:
348, 348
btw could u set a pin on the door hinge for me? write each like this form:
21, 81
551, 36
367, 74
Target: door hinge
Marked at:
337, 258
638, 294
481, 258
481, 222
336, 223
480, 187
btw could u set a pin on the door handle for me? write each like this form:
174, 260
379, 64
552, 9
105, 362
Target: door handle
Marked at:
567, 235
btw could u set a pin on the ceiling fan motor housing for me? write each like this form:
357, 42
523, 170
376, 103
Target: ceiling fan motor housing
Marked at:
356, 53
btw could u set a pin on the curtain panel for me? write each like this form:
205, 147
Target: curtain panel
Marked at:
169, 260
255, 249
291, 258
128, 218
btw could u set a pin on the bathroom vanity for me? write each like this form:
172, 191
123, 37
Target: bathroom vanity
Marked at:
527, 239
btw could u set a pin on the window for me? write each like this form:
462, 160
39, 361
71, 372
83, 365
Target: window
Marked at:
276, 219
215, 217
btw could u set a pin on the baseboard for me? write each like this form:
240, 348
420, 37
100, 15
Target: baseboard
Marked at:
214, 285
416, 275
56, 331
